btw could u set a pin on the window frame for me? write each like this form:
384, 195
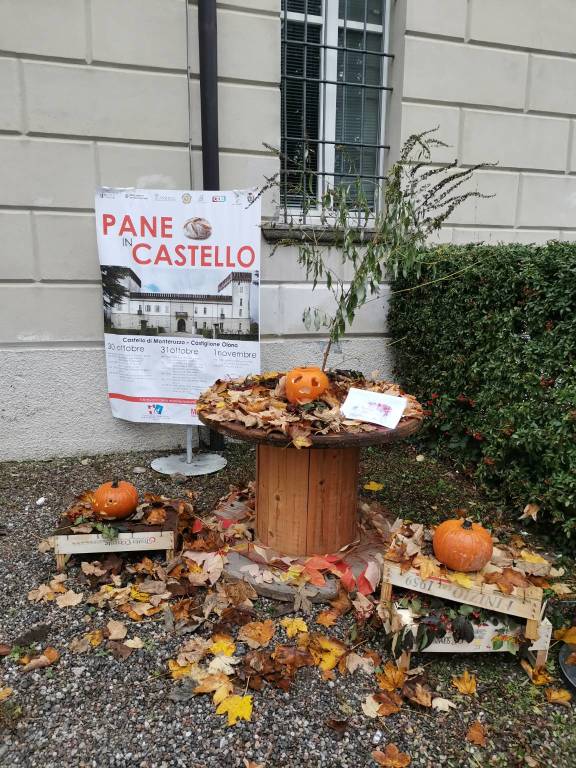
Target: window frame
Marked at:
330, 25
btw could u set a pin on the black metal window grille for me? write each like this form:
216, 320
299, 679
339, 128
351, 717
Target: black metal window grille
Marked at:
334, 94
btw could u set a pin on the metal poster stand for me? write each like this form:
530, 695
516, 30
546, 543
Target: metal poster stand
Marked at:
189, 464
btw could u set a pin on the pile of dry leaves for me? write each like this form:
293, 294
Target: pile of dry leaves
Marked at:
259, 402
230, 653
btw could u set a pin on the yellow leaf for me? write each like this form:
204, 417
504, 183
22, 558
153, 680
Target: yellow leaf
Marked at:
302, 441
293, 626
178, 671
391, 677
327, 618
558, 696
373, 486
325, 651
219, 684
460, 578
561, 589
466, 683
94, 638
236, 707
222, 645
428, 567
567, 634
141, 597
531, 557
5, 693
539, 676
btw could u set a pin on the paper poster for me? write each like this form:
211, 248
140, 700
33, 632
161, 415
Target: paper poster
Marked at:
374, 407
180, 280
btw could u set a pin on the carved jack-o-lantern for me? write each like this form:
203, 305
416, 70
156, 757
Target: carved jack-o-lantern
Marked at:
303, 385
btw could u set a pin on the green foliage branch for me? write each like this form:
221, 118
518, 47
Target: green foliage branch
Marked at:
493, 354
417, 198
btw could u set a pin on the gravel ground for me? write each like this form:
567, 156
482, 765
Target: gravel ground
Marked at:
93, 710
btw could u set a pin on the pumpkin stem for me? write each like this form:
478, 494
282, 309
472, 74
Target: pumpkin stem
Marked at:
467, 524
115, 483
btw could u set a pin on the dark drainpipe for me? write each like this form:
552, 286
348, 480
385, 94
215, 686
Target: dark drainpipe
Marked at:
208, 53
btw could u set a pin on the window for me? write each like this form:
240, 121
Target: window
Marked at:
204, 310
334, 87
240, 302
148, 307
157, 308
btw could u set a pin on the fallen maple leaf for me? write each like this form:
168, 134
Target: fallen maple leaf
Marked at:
178, 671
417, 691
391, 677
156, 516
222, 645
460, 578
530, 511
92, 569
466, 683
236, 707
353, 661
476, 734
373, 486
538, 675
558, 696
116, 630
325, 651
561, 589
567, 634
294, 626
256, 634
389, 702
5, 693
442, 705
69, 598
391, 757
134, 643
571, 658
507, 580
79, 645
49, 656
429, 568
327, 618
42, 593
223, 664
219, 684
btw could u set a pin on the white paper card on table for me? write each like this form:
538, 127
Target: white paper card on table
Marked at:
374, 407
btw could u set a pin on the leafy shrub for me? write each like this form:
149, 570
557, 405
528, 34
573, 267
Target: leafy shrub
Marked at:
492, 351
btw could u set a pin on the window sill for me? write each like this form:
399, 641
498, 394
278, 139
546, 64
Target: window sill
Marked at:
318, 233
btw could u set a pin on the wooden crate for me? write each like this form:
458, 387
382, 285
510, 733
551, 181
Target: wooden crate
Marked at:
523, 603
132, 537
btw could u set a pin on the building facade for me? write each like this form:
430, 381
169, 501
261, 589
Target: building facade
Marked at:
97, 93
226, 313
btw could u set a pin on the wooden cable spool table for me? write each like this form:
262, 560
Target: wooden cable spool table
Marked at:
307, 498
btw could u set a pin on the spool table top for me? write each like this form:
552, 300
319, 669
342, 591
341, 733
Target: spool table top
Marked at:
377, 436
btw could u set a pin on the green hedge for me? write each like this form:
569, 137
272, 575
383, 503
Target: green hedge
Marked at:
492, 352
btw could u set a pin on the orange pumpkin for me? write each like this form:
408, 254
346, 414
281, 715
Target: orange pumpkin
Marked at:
303, 385
462, 545
115, 500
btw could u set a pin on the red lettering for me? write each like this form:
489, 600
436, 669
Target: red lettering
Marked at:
205, 252
165, 226
163, 255
146, 225
251, 256
192, 249
217, 262
229, 262
108, 220
127, 226
135, 253
180, 260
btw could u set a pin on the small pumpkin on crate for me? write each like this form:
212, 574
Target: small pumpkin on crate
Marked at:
462, 545
305, 384
115, 500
